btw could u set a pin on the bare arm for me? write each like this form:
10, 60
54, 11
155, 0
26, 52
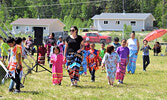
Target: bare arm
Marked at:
19, 61
127, 61
127, 43
65, 51
81, 47
138, 47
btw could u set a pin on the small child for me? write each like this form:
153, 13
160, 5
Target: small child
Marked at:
24, 55
92, 61
102, 52
4, 48
84, 63
146, 59
50, 54
110, 61
15, 62
87, 44
116, 43
57, 69
41, 51
123, 53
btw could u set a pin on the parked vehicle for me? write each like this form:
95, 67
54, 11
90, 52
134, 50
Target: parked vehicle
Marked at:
97, 38
57, 34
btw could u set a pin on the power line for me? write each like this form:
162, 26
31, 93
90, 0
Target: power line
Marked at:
59, 4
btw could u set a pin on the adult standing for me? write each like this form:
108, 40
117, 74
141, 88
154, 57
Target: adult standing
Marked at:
50, 42
30, 45
133, 45
74, 46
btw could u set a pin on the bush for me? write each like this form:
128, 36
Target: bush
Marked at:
164, 38
127, 31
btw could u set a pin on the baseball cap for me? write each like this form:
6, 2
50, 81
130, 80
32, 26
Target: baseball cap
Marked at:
60, 36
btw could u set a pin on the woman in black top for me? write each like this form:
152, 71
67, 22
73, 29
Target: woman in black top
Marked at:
74, 46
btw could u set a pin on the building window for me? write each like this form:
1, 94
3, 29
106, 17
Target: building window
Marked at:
27, 28
32, 29
133, 23
105, 22
17, 27
117, 22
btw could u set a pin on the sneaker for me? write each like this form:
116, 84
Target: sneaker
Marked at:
11, 90
21, 85
72, 85
85, 73
17, 91
92, 80
75, 84
144, 70
121, 82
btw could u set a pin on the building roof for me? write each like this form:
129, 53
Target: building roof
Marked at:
139, 16
33, 21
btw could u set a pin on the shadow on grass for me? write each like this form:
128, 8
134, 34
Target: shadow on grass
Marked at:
0, 96
31, 92
91, 87
134, 85
65, 76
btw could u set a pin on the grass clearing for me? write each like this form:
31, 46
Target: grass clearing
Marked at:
140, 86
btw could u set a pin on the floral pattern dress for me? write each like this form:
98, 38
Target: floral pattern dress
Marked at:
110, 61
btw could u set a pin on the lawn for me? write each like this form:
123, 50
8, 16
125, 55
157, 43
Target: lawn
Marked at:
141, 85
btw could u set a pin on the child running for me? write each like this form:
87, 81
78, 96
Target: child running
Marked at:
92, 61
123, 53
146, 59
57, 69
110, 61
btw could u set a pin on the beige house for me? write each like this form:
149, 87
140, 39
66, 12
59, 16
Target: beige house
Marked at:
26, 25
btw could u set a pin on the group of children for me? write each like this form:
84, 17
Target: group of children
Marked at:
113, 60
92, 59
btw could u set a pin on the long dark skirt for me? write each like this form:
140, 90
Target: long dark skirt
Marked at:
74, 63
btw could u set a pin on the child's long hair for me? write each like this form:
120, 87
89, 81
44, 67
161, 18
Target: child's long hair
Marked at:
110, 48
55, 48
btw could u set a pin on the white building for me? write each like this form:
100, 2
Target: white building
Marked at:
116, 21
26, 25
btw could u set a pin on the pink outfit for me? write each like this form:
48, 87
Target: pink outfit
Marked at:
57, 69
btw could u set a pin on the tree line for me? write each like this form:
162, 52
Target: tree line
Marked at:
79, 12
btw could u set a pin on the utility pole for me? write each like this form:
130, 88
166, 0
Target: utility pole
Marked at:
142, 6
163, 10
123, 6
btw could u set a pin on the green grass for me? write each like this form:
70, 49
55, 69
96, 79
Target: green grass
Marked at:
149, 85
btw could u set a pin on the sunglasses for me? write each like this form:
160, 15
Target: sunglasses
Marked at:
72, 30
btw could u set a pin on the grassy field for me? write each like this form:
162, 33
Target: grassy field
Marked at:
149, 85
